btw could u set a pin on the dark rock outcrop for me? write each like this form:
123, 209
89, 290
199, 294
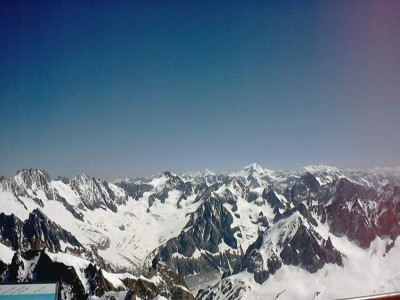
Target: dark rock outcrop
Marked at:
306, 189
40, 232
297, 244
134, 190
362, 214
208, 227
271, 198
37, 232
11, 233
38, 266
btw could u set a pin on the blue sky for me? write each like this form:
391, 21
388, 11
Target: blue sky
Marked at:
134, 87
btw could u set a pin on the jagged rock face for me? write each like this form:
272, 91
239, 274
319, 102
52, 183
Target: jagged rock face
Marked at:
6, 184
98, 285
134, 190
301, 208
358, 212
69, 282
38, 232
10, 227
292, 241
93, 193
305, 190
343, 189
97, 194
161, 195
27, 183
210, 225
207, 228
304, 250
21, 267
63, 179
174, 284
323, 174
255, 176
236, 186
311, 182
362, 214
175, 182
35, 179
351, 219
388, 215
271, 198
3, 270
225, 289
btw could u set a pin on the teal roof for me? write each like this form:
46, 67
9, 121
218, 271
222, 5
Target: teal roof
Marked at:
25, 291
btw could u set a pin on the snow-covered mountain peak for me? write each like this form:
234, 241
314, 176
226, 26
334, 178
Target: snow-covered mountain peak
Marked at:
33, 178
394, 171
204, 176
200, 173
207, 172
319, 168
82, 178
204, 173
254, 168
324, 174
33, 172
159, 182
282, 231
95, 193
169, 174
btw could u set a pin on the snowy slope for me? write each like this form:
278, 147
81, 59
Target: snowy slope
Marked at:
124, 237
356, 278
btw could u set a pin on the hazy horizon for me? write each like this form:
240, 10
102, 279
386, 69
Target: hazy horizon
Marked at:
396, 169
128, 89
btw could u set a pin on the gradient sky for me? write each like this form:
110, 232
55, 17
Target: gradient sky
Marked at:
124, 88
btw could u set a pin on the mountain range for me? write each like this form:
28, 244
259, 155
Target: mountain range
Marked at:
314, 233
